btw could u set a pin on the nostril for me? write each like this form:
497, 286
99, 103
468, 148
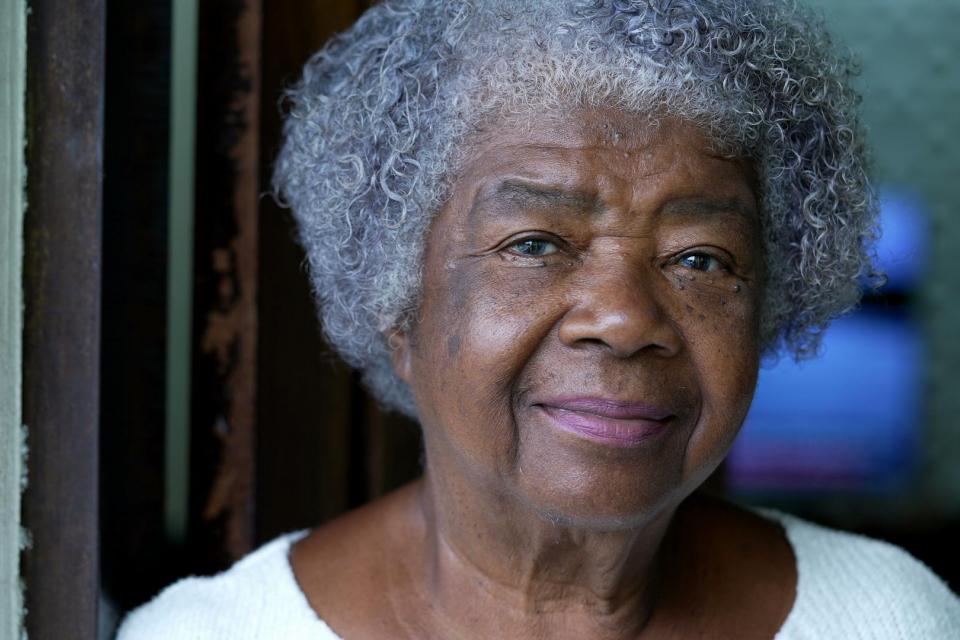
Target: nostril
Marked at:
623, 330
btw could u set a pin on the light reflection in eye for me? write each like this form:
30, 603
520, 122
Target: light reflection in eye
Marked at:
700, 262
534, 247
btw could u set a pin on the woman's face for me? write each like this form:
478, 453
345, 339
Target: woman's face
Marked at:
588, 334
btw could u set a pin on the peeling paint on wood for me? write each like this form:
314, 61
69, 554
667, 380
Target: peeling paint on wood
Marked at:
226, 259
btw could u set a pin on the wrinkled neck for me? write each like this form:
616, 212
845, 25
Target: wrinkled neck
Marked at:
549, 577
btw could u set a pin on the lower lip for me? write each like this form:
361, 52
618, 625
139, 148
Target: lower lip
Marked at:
613, 432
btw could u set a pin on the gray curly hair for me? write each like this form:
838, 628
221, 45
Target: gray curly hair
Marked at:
379, 122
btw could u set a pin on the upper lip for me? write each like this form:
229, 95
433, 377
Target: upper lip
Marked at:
608, 407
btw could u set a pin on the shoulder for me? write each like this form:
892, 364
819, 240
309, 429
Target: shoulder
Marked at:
850, 585
360, 569
256, 598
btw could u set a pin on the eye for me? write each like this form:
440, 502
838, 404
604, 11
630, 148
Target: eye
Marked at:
533, 247
700, 262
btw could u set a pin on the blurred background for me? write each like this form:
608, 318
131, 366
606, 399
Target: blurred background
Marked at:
865, 437
224, 420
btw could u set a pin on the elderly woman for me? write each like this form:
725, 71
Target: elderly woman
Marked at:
561, 235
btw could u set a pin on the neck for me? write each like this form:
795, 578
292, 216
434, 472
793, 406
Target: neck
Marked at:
546, 578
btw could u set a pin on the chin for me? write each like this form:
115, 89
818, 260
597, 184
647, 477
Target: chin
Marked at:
603, 506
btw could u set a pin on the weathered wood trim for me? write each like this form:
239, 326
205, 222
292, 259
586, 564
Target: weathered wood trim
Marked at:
61, 338
226, 259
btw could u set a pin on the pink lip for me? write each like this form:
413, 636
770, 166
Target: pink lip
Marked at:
610, 422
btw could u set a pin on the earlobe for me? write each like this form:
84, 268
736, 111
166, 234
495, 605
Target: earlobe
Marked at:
399, 346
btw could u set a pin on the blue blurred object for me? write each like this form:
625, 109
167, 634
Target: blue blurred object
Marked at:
902, 249
849, 419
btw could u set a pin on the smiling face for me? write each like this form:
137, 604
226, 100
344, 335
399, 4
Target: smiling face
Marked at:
588, 335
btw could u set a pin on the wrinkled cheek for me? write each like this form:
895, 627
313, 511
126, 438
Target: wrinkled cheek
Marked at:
502, 344
722, 414
479, 339
724, 342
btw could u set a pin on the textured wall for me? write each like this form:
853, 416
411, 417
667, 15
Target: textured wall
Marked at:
12, 75
908, 50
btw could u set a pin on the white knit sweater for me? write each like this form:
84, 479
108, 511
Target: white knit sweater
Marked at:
849, 588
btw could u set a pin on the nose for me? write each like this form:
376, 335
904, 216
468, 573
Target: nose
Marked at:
618, 310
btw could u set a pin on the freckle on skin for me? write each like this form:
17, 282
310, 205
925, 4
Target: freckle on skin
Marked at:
736, 288
701, 317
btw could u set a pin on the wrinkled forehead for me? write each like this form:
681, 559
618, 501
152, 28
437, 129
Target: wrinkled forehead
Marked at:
589, 160
635, 139
610, 106
548, 89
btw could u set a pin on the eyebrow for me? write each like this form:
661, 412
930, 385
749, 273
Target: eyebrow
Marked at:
525, 194
708, 207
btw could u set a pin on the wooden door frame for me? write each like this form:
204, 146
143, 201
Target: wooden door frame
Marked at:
61, 338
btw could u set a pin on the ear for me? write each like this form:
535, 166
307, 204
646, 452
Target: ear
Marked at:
400, 354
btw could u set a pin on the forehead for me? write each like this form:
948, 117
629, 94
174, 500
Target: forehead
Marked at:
585, 127
592, 158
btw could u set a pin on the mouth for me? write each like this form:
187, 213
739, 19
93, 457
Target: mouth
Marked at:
606, 421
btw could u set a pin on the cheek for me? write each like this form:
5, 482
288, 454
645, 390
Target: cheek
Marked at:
719, 318
497, 320
478, 330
